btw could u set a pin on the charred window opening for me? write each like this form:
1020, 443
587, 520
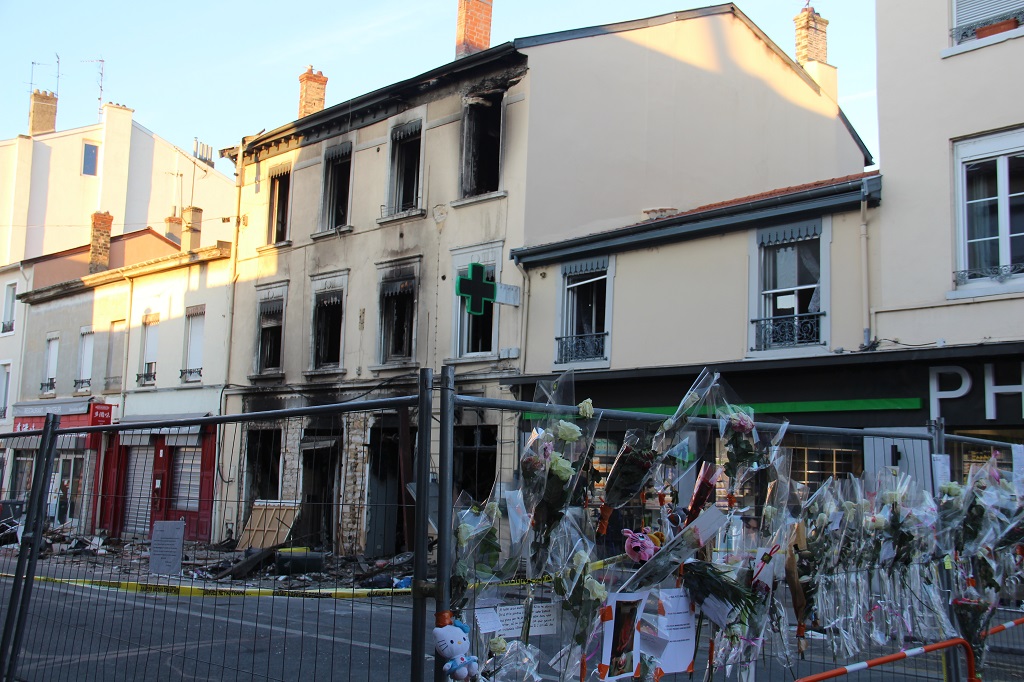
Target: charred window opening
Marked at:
475, 456
327, 329
398, 315
263, 455
405, 167
338, 180
271, 328
481, 144
280, 182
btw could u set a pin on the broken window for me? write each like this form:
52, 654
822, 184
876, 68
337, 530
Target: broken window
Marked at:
337, 180
476, 332
280, 181
398, 311
405, 167
327, 309
271, 315
481, 144
263, 456
475, 456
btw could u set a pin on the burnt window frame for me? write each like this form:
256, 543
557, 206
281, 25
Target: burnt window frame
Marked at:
320, 358
269, 307
406, 140
483, 130
337, 187
398, 284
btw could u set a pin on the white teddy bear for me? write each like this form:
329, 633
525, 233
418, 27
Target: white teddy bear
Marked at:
452, 642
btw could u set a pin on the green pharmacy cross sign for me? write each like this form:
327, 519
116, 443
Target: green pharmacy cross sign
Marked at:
476, 289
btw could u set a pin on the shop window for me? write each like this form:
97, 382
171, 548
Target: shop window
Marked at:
405, 167
586, 299
21, 475
337, 183
263, 457
789, 311
481, 144
280, 184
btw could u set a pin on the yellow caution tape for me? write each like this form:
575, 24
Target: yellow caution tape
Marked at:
192, 591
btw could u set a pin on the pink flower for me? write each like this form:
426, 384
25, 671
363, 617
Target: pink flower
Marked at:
740, 422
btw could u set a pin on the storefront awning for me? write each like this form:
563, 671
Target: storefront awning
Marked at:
65, 441
41, 408
174, 436
23, 442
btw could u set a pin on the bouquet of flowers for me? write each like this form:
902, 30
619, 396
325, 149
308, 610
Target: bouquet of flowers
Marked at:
636, 461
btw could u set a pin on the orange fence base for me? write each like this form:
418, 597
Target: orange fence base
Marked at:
899, 656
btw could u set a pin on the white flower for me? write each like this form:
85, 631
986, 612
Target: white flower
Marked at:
586, 408
951, 489
849, 506
497, 645
768, 513
890, 497
560, 466
492, 510
580, 559
464, 532
568, 431
595, 589
821, 520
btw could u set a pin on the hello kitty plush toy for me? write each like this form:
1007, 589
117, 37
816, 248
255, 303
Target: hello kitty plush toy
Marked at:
451, 640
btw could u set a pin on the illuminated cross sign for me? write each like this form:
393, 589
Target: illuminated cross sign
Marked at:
475, 289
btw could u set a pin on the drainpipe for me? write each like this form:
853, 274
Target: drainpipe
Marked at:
525, 314
127, 345
864, 284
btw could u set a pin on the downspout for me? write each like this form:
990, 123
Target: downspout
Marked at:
239, 168
127, 345
865, 288
525, 315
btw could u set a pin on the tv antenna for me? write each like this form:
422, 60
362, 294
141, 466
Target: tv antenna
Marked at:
101, 62
32, 76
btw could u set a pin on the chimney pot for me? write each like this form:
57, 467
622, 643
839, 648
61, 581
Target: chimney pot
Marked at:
312, 91
473, 30
42, 112
99, 244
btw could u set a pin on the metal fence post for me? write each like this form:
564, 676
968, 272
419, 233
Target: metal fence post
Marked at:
28, 553
421, 530
445, 483
950, 657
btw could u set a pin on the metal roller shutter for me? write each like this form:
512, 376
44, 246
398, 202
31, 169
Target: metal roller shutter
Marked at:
187, 465
139, 491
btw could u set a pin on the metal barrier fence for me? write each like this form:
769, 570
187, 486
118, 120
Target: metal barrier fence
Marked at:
344, 550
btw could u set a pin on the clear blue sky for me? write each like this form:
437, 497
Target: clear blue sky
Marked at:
218, 70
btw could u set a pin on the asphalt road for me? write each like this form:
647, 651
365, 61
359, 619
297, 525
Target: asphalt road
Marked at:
84, 633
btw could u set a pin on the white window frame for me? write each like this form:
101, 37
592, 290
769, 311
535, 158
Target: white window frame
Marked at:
755, 298
1000, 147
86, 356
326, 196
10, 308
322, 283
393, 208
51, 355
149, 350
488, 254
383, 268
6, 369
265, 293
563, 314
195, 324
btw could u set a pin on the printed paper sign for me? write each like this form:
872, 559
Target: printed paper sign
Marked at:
166, 547
542, 621
676, 625
940, 470
620, 654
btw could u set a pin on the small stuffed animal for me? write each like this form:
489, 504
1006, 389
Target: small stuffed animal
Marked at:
451, 640
639, 547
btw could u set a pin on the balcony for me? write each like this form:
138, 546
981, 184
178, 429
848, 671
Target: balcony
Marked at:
48, 386
787, 331
191, 374
995, 273
581, 347
83, 384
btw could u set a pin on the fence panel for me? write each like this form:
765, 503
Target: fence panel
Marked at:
275, 561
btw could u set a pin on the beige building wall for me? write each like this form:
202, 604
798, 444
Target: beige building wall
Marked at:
933, 95
662, 117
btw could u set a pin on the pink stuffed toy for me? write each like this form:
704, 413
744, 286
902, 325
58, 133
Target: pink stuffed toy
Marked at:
639, 547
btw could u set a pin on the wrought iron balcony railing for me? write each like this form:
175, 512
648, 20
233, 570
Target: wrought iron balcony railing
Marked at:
144, 378
787, 331
582, 347
192, 374
997, 273
6, 326
48, 386
82, 384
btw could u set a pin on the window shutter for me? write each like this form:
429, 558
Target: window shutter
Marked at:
583, 267
279, 170
405, 130
338, 151
971, 11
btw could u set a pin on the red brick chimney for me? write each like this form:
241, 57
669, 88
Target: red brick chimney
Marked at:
99, 244
42, 112
811, 44
312, 89
473, 31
